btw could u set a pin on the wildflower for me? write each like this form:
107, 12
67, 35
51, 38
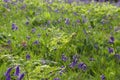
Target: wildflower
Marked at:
33, 30
28, 57
21, 76
82, 66
8, 77
6, 1
101, 0
75, 13
9, 41
27, 22
62, 70
8, 72
73, 64
111, 40
67, 21
23, 6
102, 77
78, 21
56, 10
70, 1
56, 79
17, 71
117, 56
14, 27
64, 58
36, 42
110, 50
28, 37
75, 59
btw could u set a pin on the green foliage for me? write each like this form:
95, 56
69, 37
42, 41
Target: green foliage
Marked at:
48, 36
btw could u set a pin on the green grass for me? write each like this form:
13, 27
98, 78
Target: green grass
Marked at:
88, 38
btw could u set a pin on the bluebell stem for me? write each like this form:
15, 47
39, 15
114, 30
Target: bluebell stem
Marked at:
17, 71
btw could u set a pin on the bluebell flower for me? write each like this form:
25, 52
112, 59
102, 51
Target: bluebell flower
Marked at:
64, 58
28, 57
67, 21
6, 1
36, 42
23, 6
62, 70
27, 22
8, 71
70, 1
75, 59
8, 77
82, 66
111, 40
17, 71
21, 76
14, 26
102, 77
101, 0
110, 50
33, 30
117, 56
75, 13
56, 10
78, 21
72, 65
56, 79
9, 41
28, 37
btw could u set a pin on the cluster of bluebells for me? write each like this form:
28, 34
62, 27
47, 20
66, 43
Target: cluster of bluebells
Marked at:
75, 62
17, 73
